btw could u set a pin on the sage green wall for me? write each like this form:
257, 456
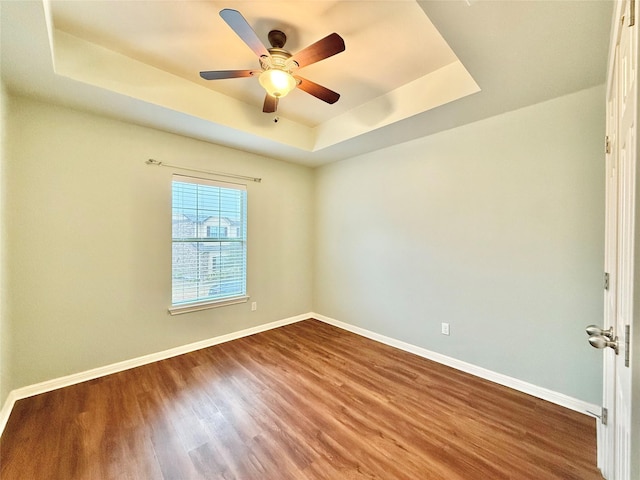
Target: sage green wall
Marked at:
5, 331
89, 247
495, 227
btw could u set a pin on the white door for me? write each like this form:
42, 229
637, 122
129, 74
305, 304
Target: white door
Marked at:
614, 436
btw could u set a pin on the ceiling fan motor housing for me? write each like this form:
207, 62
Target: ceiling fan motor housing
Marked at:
279, 59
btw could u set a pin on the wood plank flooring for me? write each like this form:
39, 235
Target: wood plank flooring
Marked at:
303, 402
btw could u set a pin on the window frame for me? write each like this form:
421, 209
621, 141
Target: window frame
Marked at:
202, 303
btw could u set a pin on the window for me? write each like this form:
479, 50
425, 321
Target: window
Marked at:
208, 243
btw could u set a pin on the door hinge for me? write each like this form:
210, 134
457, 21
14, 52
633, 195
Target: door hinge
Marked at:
606, 281
632, 13
604, 415
607, 145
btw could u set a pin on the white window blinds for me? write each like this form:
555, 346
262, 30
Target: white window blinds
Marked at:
209, 234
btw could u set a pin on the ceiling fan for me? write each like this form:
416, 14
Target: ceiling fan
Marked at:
277, 65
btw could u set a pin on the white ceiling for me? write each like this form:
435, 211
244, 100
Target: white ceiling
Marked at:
409, 68
186, 37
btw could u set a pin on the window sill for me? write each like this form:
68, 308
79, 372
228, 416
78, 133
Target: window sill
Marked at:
195, 307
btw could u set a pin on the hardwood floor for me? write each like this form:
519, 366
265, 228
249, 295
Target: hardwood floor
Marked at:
305, 401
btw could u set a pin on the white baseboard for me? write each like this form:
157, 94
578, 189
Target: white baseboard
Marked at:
539, 392
525, 387
6, 409
79, 377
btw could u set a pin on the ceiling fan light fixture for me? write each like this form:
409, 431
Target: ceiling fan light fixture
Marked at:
278, 83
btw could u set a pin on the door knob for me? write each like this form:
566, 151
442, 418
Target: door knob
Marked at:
600, 341
597, 331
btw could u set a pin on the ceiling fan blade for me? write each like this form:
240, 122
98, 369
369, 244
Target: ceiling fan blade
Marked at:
270, 104
242, 28
325, 48
318, 91
222, 74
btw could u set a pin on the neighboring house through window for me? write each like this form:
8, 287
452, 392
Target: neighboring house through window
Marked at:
217, 231
208, 242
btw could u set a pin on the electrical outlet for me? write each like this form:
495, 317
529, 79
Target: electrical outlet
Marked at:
444, 329
254, 306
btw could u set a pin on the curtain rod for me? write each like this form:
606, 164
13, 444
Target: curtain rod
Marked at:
151, 161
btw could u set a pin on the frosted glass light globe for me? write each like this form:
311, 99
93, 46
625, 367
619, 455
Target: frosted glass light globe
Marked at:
277, 83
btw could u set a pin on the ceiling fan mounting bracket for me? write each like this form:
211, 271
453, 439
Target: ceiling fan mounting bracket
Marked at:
277, 38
